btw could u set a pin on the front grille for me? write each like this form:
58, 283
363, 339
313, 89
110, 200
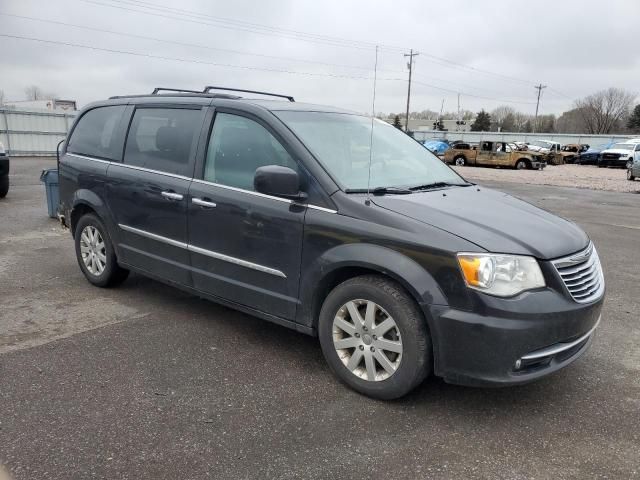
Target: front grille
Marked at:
582, 275
610, 156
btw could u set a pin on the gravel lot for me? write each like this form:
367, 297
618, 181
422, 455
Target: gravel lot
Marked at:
577, 176
144, 381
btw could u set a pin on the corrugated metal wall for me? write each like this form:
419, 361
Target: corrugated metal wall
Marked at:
33, 133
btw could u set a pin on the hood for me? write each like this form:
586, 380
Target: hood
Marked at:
493, 220
619, 151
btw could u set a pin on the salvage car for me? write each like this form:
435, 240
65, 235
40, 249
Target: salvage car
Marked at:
333, 224
619, 155
4, 172
494, 154
571, 151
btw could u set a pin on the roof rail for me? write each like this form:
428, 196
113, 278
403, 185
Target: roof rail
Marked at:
181, 90
208, 88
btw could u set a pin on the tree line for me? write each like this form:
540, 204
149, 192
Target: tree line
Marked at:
608, 111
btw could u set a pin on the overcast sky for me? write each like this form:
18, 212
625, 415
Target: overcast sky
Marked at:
574, 46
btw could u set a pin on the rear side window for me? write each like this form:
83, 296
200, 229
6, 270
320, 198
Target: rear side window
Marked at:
163, 139
95, 135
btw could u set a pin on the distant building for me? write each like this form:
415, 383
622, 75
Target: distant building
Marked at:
53, 104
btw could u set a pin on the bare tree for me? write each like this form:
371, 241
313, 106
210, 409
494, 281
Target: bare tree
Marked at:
520, 122
34, 92
605, 110
503, 118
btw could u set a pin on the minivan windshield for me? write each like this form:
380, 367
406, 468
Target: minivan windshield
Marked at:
341, 143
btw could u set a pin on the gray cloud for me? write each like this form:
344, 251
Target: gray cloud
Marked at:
573, 46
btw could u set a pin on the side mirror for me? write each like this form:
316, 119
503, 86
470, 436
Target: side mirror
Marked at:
278, 181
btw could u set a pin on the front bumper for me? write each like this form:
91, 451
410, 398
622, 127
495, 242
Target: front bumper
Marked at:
511, 341
614, 162
538, 165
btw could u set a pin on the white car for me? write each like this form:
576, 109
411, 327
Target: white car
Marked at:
620, 154
543, 146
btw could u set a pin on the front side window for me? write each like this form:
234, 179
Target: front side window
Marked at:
237, 148
342, 144
95, 134
163, 139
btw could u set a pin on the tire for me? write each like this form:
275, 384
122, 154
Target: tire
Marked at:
4, 186
460, 161
103, 271
600, 165
630, 175
522, 164
406, 345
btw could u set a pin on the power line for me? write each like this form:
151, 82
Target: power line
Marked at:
184, 44
170, 13
244, 67
221, 24
183, 60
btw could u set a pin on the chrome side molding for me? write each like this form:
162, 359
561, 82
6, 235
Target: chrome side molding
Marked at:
203, 251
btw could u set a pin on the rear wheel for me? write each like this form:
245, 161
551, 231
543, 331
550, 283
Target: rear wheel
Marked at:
4, 186
460, 161
630, 175
374, 338
95, 253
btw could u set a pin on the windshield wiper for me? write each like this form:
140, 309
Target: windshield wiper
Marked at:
429, 186
381, 190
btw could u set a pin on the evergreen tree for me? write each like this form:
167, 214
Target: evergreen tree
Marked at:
482, 122
634, 119
396, 122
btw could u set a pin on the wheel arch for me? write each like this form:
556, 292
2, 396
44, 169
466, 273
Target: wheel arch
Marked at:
86, 201
348, 261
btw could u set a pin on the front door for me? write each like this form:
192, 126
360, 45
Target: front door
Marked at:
148, 192
245, 246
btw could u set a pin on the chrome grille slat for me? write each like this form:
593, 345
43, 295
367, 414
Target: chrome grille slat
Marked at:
584, 278
581, 274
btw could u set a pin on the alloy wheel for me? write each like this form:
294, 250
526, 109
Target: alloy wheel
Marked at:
367, 340
93, 250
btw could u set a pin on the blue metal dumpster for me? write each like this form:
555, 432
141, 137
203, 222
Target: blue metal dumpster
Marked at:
50, 179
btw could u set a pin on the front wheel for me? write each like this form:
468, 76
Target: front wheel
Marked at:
521, 164
95, 253
374, 337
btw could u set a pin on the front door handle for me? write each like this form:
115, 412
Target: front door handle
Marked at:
203, 203
172, 195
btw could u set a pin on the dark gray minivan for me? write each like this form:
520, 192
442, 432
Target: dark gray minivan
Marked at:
335, 225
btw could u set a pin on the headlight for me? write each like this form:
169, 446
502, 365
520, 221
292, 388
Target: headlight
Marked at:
500, 275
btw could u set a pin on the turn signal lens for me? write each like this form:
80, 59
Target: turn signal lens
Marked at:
500, 275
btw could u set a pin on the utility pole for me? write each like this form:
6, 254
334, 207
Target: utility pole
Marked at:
410, 65
535, 121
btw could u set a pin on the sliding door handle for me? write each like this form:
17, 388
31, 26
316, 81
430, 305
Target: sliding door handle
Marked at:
203, 203
172, 195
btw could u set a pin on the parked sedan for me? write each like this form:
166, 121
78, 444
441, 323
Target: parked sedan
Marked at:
590, 157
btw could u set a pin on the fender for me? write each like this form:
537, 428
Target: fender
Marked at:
413, 277
95, 202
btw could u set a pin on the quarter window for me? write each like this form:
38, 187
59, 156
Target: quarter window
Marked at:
163, 139
237, 148
95, 135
